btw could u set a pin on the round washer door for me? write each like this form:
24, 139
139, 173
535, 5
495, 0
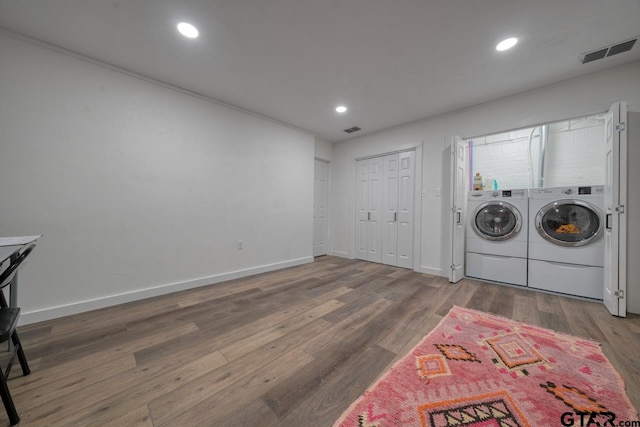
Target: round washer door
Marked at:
569, 223
496, 221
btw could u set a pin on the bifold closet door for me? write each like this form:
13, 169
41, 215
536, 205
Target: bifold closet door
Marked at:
406, 177
384, 199
397, 212
390, 210
369, 206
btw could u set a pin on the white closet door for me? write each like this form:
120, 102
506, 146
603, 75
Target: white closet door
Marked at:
384, 209
320, 196
362, 209
406, 174
457, 151
390, 211
374, 230
615, 199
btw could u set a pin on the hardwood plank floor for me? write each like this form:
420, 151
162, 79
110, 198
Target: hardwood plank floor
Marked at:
287, 348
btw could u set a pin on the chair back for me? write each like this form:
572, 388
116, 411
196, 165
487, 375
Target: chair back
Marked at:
7, 276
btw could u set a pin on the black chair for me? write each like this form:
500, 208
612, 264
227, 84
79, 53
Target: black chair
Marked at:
8, 323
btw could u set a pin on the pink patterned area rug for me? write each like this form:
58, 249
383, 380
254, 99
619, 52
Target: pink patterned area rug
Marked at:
479, 370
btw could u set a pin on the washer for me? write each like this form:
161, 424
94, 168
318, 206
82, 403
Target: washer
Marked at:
496, 236
566, 244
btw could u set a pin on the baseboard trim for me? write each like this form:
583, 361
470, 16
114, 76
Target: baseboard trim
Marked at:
431, 270
341, 254
96, 303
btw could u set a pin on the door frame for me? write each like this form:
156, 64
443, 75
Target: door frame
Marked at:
417, 200
623, 227
328, 192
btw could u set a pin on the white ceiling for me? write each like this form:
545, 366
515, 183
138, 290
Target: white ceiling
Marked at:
389, 61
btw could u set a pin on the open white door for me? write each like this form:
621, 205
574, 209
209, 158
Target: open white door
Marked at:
615, 198
456, 272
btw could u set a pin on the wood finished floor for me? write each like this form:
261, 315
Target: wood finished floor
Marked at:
289, 348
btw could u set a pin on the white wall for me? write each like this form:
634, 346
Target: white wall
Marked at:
139, 189
578, 97
505, 158
574, 155
323, 149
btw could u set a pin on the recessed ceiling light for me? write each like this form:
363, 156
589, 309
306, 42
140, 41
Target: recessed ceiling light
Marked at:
507, 44
341, 109
188, 30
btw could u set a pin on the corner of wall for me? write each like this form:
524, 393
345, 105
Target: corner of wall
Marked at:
323, 150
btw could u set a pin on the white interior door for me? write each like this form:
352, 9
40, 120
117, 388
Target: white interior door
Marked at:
320, 196
457, 200
374, 225
615, 194
390, 210
362, 209
406, 179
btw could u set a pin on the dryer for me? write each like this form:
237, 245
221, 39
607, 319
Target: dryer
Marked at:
496, 236
566, 247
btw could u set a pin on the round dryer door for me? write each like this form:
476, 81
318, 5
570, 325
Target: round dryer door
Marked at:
569, 223
496, 221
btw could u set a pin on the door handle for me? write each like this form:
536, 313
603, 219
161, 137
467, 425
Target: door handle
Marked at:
368, 216
459, 217
395, 217
608, 217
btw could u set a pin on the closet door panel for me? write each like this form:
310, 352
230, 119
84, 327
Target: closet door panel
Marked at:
390, 211
362, 210
374, 235
406, 180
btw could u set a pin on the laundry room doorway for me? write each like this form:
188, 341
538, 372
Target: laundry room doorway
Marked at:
574, 163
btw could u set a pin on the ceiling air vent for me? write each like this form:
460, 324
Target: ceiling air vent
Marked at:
608, 51
352, 130
598, 54
622, 47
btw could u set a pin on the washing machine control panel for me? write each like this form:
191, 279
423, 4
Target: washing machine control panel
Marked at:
584, 190
594, 189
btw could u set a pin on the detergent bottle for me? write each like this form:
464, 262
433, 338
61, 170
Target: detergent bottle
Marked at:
477, 182
488, 183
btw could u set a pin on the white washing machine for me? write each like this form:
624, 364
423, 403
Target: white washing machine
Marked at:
566, 245
496, 236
